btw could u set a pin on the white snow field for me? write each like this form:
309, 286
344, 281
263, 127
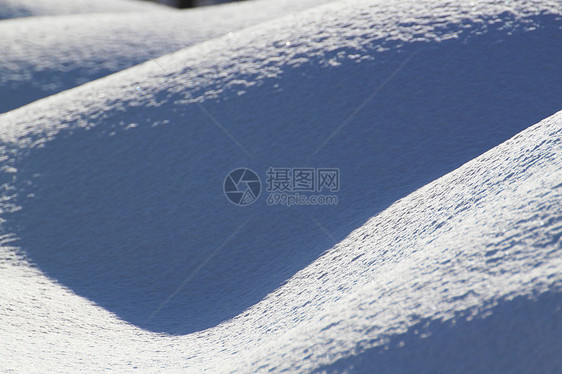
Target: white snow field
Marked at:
44, 56
27, 8
121, 252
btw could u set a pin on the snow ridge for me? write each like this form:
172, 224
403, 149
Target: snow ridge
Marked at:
48, 55
119, 247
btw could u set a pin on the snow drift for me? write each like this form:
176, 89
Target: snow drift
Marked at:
461, 275
47, 55
118, 198
27, 8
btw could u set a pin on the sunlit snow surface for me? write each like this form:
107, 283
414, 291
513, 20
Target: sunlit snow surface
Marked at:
444, 254
27, 8
43, 56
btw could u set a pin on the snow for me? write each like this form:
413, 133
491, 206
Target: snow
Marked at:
27, 8
45, 56
121, 252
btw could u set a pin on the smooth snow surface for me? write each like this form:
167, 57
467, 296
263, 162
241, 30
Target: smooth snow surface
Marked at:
41, 57
444, 254
414, 289
27, 8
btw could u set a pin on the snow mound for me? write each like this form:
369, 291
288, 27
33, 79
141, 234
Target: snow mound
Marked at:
462, 275
483, 241
112, 194
27, 8
43, 56
143, 166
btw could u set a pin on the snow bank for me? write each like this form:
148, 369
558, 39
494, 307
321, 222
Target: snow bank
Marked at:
415, 284
461, 275
43, 56
150, 147
113, 192
26, 8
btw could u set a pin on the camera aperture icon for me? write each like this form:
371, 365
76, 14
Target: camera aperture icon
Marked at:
242, 186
